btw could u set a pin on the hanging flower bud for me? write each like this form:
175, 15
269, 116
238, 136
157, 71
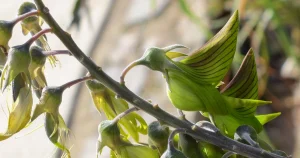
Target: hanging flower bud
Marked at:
18, 62
210, 150
33, 25
171, 152
158, 136
57, 131
49, 102
110, 136
3, 58
106, 101
246, 134
36, 69
19, 112
37, 65
189, 146
6, 28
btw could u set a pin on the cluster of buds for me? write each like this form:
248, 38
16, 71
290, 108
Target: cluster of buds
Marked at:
23, 66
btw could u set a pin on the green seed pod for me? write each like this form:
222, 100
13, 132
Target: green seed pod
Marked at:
18, 62
246, 134
49, 102
189, 146
158, 136
106, 101
19, 112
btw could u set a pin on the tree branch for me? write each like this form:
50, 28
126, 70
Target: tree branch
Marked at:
199, 133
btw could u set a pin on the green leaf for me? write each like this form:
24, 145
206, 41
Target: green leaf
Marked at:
211, 62
245, 83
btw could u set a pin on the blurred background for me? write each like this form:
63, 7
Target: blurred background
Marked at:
115, 32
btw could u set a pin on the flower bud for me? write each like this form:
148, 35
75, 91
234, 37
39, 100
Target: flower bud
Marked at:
171, 152
33, 25
30, 23
158, 136
49, 102
6, 28
109, 135
210, 150
105, 101
56, 128
18, 62
189, 146
19, 113
246, 134
37, 66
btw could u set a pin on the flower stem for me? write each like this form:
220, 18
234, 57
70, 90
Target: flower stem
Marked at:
24, 16
71, 83
125, 71
37, 35
172, 135
56, 52
121, 115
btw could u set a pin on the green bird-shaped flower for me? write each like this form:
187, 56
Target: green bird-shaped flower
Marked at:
33, 25
192, 81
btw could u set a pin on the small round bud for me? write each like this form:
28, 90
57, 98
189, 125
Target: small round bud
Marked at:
158, 135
